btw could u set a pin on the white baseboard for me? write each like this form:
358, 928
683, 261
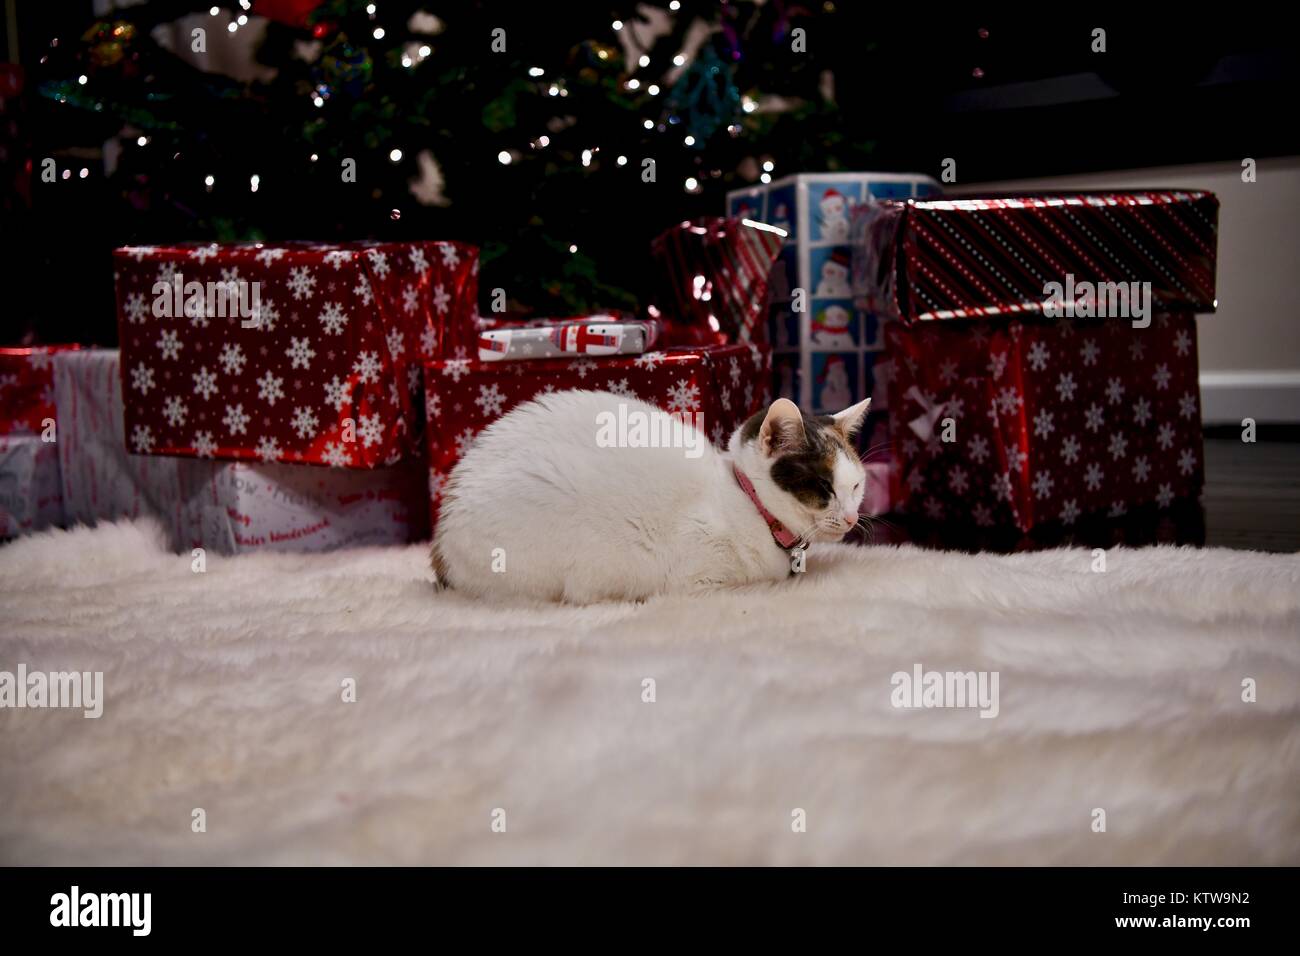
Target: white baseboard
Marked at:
1266, 396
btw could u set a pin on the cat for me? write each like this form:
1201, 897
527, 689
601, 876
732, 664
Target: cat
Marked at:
538, 510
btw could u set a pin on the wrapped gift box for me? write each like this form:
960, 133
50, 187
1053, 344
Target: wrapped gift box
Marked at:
27, 388
592, 336
294, 352
225, 507
712, 277
1010, 423
825, 342
973, 257
716, 387
30, 495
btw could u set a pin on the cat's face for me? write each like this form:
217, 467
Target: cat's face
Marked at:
815, 480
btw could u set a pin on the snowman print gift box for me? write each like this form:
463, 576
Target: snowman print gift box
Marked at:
826, 344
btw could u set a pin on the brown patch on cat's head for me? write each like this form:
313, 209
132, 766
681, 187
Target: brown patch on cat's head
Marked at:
804, 448
808, 472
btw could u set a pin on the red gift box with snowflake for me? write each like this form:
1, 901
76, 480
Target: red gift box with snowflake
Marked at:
290, 352
27, 388
1006, 423
715, 387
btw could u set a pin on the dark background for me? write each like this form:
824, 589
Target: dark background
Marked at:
1006, 96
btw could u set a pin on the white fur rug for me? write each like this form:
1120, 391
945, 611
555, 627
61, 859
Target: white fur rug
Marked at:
1119, 690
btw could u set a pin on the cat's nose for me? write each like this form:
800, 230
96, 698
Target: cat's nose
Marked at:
849, 517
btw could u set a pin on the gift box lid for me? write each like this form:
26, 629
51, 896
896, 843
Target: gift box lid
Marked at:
1014, 253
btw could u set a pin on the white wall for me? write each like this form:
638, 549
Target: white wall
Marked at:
1250, 348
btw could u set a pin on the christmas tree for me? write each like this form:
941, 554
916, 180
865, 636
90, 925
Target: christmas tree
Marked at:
559, 138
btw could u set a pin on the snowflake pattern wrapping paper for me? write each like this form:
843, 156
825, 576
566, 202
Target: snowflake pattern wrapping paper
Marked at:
983, 256
27, 388
326, 369
223, 506
723, 384
1049, 421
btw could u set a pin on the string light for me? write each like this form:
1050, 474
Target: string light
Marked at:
765, 178
649, 124
692, 184
634, 84
586, 157
379, 33
679, 60
504, 157
535, 71
554, 90
395, 156
370, 9
644, 61
314, 157
689, 141
675, 5
209, 181
653, 89
82, 79
318, 101
425, 51
253, 182
622, 160
617, 25
768, 166
232, 26
84, 172
242, 20
142, 141
214, 11
748, 105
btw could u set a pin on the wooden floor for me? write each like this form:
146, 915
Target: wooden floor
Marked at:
1252, 494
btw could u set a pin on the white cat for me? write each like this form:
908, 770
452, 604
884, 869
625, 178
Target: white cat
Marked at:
537, 509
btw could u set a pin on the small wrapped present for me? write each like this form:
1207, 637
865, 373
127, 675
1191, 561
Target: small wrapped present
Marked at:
715, 387
30, 495
1074, 255
225, 507
290, 352
592, 336
712, 275
27, 389
1020, 424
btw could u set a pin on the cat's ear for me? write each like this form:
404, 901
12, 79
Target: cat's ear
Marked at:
851, 419
782, 428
